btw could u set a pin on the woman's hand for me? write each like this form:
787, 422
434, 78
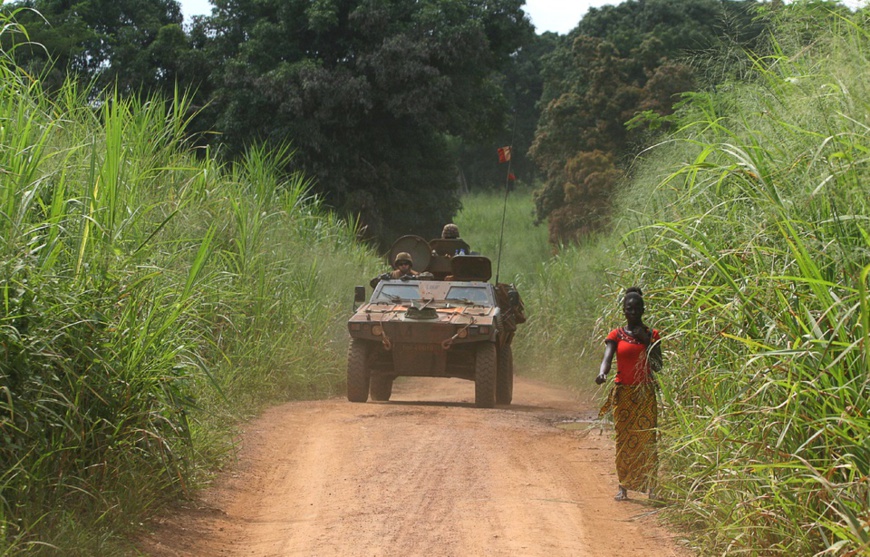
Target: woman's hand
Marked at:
600, 379
642, 334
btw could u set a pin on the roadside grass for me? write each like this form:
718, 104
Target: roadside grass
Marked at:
564, 305
748, 229
518, 254
752, 246
150, 299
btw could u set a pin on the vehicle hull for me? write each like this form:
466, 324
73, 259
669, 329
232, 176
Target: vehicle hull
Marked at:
453, 324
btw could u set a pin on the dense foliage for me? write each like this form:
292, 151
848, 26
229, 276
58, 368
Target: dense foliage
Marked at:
523, 86
134, 45
394, 108
367, 93
146, 296
760, 250
378, 99
748, 227
621, 62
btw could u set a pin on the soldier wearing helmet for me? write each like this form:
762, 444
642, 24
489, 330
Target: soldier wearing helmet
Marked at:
402, 266
450, 244
450, 232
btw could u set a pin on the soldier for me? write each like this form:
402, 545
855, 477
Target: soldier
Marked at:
454, 245
402, 266
450, 232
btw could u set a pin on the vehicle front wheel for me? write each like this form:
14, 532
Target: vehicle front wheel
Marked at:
485, 376
381, 388
358, 374
504, 390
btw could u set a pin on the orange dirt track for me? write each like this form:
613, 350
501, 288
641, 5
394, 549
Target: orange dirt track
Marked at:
423, 474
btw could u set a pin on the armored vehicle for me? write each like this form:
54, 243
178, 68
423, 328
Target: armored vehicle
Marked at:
447, 322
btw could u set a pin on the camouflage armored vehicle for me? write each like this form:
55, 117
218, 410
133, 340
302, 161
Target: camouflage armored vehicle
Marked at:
450, 322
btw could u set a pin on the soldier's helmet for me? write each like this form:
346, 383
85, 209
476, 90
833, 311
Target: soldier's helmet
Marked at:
403, 256
450, 231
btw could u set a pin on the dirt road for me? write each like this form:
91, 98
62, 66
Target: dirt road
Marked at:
423, 474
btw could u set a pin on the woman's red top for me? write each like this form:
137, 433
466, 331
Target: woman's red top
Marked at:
632, 367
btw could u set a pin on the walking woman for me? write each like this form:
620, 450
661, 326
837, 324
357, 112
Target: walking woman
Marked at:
632, 399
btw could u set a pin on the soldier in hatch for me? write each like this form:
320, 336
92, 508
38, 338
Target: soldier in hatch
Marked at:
402, 268
454, 245
450, 232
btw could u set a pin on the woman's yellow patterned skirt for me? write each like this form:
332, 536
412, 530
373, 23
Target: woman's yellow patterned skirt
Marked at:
635, 418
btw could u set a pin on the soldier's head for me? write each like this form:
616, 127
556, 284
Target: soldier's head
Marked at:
403, 261
450, 231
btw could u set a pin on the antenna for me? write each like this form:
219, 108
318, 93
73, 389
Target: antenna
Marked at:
507, 182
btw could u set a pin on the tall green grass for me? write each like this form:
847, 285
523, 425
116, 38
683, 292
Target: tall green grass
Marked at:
560, 343
749, 231
500, 225
149, 299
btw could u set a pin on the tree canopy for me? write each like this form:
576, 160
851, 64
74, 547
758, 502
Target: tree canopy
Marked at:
368, 92
620, 62
391, 105
371, 94
522, 86
131, 44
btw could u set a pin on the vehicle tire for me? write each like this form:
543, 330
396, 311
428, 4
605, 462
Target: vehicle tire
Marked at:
504, 389
381, 388
358, 374
485, 375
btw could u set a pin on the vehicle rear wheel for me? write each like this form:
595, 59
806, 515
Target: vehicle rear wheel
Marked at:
381, 388
485, 376
504, 390
358, 374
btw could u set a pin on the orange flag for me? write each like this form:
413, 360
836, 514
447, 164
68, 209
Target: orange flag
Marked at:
504, 154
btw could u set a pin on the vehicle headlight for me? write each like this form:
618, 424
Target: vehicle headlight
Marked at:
377, 330
462, 333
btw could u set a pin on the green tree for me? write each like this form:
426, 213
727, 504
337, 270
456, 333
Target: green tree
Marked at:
136, 45
619, 62
368, 92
